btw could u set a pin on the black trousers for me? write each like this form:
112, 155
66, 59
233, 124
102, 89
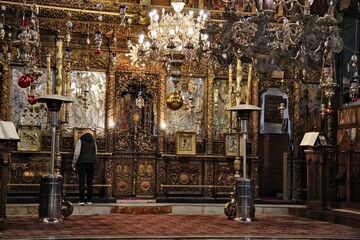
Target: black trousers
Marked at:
86, 171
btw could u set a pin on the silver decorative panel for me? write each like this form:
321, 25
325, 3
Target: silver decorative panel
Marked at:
190, 117
87, 90
20, 111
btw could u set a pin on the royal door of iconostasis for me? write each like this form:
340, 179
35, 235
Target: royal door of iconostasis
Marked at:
135, 134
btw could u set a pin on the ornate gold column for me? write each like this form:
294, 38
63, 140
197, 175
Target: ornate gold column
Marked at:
255, 136
229, 105
209, 99
256, 115
160, 161
249, 84
110, 109
66, 90
296, 161
5, 91
296, 119
161, 112
109, 126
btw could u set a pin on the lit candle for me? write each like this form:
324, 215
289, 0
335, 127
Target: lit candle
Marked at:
238, 81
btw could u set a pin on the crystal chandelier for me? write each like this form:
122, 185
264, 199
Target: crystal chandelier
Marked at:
354, 79
169, 33
5, 49
353, 70
27, 45
28, 40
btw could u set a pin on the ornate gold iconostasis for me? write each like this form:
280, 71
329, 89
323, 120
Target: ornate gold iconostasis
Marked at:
137, 135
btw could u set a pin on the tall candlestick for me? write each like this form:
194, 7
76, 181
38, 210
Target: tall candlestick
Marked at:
229, 103
238, 81
59, 66
48, 73
248, 91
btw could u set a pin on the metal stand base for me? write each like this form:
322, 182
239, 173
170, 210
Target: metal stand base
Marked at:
49, 220
244, 199
50, 201
244, 219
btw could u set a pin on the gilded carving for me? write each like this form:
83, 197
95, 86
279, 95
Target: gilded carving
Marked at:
109, 175
124, 81
208, 177
122, 141
134, 139
145, 177
123, 177
224, 176
209, 99
219, 147
5, 85
160, 176
28, 171
200, 146
87, 60
255, 176
184, 174
46, 143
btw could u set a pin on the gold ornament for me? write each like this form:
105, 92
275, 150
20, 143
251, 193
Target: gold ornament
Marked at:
174, 101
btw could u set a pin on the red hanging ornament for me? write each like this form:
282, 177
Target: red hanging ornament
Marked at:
32, 99
330, 111
97, 51
24, 81
25, 23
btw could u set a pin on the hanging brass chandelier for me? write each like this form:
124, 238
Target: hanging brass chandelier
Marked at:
278, 34
285, 32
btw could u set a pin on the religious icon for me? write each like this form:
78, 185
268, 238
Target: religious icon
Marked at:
231, 145
30, 138
186, 143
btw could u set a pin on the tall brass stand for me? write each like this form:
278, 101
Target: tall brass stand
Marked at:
244, 187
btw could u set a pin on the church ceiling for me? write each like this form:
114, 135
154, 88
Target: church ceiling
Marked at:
84, 14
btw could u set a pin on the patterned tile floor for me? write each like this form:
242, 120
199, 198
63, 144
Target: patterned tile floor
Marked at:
175, 226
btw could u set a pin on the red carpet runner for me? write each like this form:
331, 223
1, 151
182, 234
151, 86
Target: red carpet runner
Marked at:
152, 226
